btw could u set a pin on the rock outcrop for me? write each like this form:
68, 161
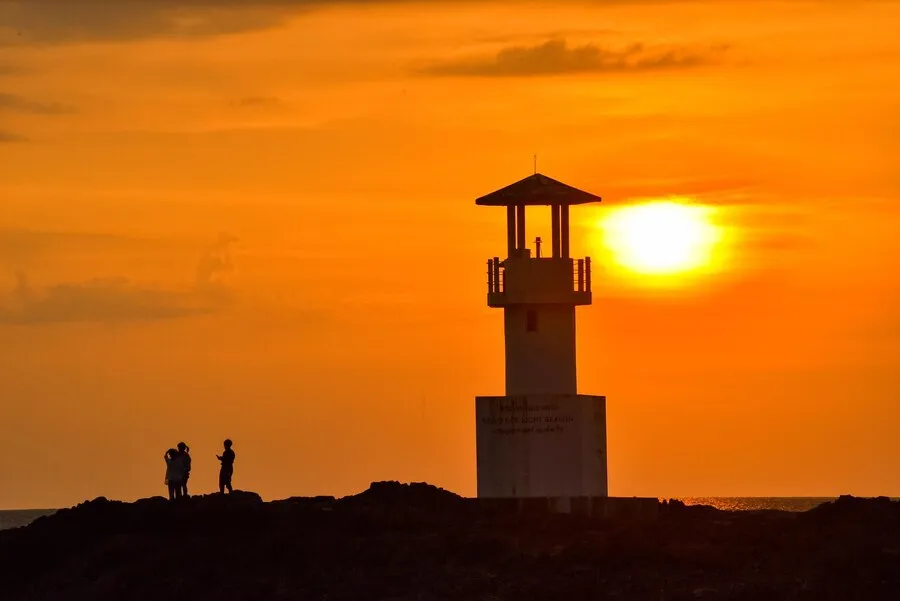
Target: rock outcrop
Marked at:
417, 542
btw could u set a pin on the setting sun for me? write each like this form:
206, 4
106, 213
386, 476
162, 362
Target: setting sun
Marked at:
660, 238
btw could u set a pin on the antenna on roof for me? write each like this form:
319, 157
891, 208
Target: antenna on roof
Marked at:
535, 164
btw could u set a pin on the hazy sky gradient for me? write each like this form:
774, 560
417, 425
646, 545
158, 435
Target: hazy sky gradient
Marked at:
260, 223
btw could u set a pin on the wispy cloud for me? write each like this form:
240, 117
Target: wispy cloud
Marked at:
98, 300
12, 102
215, 260
556, 57
257, 102
65, 21
62, 21
9, 137
117, 299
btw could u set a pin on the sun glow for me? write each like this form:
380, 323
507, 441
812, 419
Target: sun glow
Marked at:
661, 238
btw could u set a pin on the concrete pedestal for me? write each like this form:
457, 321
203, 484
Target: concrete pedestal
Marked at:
545, 445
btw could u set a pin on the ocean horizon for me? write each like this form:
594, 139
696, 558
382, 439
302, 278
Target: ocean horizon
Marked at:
16, 518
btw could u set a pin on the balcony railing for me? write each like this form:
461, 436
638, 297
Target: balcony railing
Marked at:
536, 280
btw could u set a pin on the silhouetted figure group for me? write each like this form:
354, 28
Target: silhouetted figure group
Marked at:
178, 469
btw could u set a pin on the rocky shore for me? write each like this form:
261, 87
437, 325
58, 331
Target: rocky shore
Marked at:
417, 543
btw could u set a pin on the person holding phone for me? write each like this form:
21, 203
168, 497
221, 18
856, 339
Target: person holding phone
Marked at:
227, 469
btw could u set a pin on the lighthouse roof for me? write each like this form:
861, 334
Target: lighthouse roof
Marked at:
537, 189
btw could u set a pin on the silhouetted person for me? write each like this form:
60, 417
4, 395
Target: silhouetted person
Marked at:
227, 469
174, 474
184, 456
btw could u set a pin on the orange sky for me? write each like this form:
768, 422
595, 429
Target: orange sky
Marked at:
342, 336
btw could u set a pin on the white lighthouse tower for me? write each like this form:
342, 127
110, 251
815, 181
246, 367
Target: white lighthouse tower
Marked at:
542, 438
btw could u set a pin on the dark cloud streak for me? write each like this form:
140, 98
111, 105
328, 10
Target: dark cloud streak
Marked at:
61, 21
556, 57
7, 137
11, 102
69, 21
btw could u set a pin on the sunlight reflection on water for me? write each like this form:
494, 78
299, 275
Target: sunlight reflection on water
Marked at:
758, 503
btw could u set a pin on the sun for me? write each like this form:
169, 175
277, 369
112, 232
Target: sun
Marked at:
661, 238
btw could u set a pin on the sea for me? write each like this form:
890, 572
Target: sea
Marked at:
23, 517
758, 503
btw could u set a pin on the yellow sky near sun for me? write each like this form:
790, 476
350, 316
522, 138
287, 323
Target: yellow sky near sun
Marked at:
354, 319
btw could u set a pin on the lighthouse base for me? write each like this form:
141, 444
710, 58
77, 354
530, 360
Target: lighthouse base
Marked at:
542, 445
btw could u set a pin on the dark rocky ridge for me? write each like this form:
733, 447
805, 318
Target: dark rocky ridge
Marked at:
417, 542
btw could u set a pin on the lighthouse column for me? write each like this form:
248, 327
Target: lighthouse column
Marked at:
520, 228
554, 225
540, 349
510, 231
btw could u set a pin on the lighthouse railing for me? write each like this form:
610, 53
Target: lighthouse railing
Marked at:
582, 274
579, 287
496, 276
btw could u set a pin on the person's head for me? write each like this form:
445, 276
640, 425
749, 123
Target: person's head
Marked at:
227, 443
171, 452
182, 447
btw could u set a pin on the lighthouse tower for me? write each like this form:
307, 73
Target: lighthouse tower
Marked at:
542, 438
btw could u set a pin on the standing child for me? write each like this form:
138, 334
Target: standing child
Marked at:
227, 469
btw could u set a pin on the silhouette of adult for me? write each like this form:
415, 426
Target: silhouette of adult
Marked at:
227, 469
174, 473
184, 456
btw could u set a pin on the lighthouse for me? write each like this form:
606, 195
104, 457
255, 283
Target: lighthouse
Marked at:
541, 438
